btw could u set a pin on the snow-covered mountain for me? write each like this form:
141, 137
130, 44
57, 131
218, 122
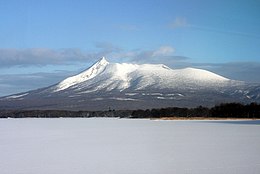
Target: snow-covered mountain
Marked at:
114, 76
130, 86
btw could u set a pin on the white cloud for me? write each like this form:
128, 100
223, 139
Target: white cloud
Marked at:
163, 51
179, 22
163, 54
46, 56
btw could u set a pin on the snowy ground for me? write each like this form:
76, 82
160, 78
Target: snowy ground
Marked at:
121, 146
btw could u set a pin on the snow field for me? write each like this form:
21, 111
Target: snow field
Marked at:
103, 145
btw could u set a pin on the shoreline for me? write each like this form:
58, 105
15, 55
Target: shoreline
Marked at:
150, 118
204, 118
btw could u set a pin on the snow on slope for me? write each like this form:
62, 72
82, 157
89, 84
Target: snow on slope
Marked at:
16, 96
84, 76
109, 76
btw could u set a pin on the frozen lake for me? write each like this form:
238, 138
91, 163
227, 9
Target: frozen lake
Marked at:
125, 146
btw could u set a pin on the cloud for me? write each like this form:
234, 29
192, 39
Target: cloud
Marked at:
106, 48
244, 71
15, 83
138, 54
163, 54
40, 56
221, 31
182, 22
34, 57
179, 22
163, 51
46, 56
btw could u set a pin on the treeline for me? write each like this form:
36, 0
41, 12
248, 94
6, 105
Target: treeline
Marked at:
227, 110
61, 113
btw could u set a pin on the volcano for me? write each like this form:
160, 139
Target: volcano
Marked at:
107, 85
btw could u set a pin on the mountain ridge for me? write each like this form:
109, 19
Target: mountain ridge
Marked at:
126, 73
85, 75
132, 86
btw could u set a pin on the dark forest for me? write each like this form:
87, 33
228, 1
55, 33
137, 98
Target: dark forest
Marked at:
225, 110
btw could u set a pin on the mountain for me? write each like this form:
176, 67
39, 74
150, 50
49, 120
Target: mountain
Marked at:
108, 85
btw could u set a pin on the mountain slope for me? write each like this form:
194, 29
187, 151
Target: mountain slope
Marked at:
131, 86
114, 76
84, 76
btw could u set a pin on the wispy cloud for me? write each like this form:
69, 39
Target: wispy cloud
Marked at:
11, 58
182, 22
46, 56
105, 48
245, 71
40, 56
162, 54
163, 51
179, 22
15, 83
226, 32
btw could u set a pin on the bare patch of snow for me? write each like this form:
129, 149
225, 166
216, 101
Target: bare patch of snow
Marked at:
16, 96
131, 94
156, 94
97, 99
123, 99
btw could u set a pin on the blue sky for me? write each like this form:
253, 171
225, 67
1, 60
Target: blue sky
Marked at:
42, 42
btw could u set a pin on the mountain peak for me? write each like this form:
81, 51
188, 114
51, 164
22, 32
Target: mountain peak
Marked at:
90, 73
103, 60
109, 76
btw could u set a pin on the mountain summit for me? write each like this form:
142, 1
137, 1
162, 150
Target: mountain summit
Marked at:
107, 76
131, 86
90, 73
